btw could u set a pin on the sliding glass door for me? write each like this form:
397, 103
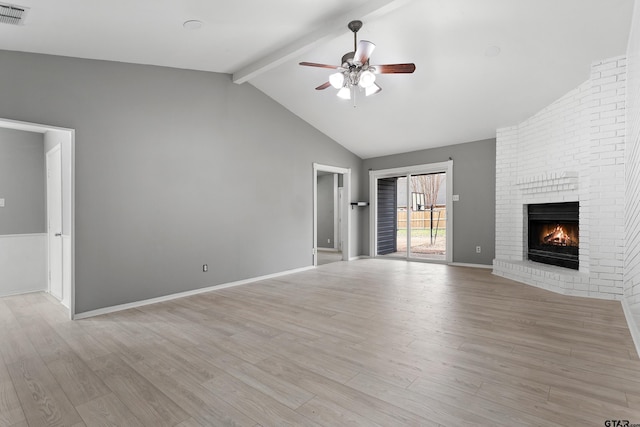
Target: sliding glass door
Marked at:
411, 214
428, 212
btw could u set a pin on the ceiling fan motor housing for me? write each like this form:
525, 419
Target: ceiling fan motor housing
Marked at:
347, 59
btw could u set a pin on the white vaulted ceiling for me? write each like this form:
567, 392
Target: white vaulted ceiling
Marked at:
457, 94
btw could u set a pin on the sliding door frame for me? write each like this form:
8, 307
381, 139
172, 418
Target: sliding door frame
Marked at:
408, 172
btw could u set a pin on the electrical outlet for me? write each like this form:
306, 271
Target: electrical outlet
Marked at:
205, 268
478, 249
328, 240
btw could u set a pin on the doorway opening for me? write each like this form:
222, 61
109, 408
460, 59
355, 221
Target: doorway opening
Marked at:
411, 214
331, 219
59, 146
54, 223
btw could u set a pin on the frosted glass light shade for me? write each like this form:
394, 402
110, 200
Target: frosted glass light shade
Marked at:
372, 90
344, 93
367, 78
336, 80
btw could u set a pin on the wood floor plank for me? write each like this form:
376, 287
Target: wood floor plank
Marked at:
7, 319
190, 423
368, 342
440, 409
10, 409
627, 373
311, 357
439, 377
390, 368
364, 405
49, 345
79, 382
149, 404
280, 390
633, 400
241, 346
328, 413
254, 403
253, 310
107, 411
202, 405
16, 345
594, 409
42, 399
523, 400
85, 345
177, 361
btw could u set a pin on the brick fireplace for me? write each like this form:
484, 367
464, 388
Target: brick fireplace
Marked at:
570, 153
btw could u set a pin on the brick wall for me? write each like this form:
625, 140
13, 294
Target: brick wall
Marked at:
573, 150
632, 160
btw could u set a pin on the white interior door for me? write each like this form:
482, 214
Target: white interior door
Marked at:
54, 220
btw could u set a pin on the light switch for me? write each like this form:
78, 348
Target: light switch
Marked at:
456, 197
1, 203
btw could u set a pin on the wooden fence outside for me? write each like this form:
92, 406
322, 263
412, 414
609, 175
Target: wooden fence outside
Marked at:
422, 219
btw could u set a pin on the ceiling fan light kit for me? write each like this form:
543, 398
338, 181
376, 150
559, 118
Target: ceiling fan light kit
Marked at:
367, 79
336, 80
372, 90
344, 93
355, 71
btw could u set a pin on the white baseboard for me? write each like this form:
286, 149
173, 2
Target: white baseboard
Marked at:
463, 264
120, 307
632, 321
327, 249
24, 292
355, 258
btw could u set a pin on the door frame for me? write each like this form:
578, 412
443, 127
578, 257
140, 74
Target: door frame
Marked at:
71, 133
346, 223
336, 213
51, 240
339, 215
408, 171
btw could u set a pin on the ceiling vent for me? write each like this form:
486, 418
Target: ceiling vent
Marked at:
12, 14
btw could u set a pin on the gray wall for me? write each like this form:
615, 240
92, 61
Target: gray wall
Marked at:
22, 182
474, 179
325, 210
175, 169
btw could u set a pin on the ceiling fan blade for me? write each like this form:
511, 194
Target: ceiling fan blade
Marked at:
323, 86
394, 68
313, 64
365, 48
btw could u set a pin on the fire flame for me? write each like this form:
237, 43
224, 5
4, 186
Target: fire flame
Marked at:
558, 237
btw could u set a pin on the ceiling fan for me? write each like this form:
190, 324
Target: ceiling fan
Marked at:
355, 70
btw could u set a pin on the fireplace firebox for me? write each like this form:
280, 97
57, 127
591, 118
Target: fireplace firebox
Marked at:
554, 234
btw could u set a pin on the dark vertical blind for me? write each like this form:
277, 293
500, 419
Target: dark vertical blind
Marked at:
387, 215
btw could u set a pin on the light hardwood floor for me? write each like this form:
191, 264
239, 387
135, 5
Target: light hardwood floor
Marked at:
370, 342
